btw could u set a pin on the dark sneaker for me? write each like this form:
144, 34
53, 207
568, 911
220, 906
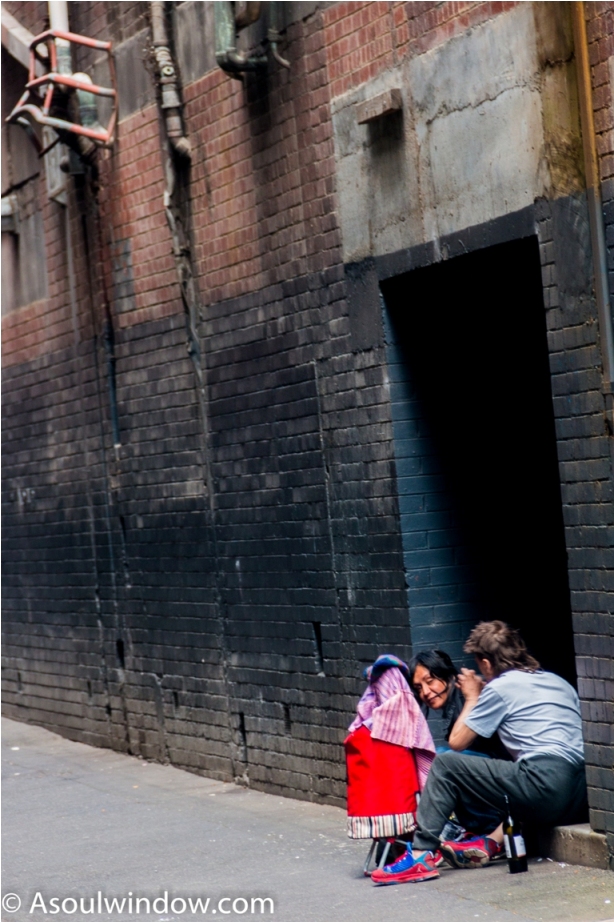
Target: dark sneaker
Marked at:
471, 853
407, 869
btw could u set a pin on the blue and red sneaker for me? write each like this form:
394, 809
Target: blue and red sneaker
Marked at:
475, 852
407, 869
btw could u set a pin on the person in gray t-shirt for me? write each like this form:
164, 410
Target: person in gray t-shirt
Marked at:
534, 713
537, 717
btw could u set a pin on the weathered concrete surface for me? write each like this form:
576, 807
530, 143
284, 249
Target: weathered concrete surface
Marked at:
577, 844
79, 820
489, 125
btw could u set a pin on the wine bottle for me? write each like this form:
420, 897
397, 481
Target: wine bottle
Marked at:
515, 848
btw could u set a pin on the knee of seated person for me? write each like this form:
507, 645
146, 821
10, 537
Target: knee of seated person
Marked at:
445, 759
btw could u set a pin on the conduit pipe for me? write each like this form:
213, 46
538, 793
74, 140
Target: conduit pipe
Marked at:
595, 209
273, 34
246, 14
167, 78
233, 62
58, 19
86, 102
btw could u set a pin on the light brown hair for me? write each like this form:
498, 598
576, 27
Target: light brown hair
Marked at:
503, 646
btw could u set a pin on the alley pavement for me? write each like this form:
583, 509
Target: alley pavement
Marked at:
83, 827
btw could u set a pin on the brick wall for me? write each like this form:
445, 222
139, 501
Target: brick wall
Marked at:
464, 538
364, 39
595, 628
585, 461
209, 591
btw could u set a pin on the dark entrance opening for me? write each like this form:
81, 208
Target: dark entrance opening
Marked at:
475, 443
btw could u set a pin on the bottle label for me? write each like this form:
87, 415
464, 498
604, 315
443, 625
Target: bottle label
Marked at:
519, 845
521, 848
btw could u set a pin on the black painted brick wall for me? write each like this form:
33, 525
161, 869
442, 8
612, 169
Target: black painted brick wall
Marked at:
585, 451
179, 625
442, 601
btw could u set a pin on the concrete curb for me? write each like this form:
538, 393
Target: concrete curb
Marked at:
576, 844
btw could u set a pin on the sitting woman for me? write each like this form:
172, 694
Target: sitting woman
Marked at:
389, 751
432, 676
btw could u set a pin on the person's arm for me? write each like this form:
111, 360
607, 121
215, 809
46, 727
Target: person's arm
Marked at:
470, 685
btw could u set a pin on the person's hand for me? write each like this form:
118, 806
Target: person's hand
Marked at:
470, 684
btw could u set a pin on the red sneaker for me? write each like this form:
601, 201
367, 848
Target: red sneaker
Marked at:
471, 853
438, 859
407, 869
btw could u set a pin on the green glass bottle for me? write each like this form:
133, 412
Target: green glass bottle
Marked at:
515, 848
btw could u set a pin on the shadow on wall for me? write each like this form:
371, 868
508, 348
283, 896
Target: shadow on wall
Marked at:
475, 446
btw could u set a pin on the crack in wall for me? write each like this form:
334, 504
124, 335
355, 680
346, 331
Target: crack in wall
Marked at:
177, 208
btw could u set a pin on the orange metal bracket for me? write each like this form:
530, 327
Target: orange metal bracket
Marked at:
37, 99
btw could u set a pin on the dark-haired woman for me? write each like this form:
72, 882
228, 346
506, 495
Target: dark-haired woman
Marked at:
432, 677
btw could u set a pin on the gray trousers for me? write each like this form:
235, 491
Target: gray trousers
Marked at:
545, 789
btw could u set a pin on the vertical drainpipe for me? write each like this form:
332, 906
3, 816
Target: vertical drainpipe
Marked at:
595, 209
273, 34
58, 19
167, 78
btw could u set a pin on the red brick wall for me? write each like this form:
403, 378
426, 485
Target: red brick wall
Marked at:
263, 188
132, 208
263, 181
600, 35
363, 39
262, 184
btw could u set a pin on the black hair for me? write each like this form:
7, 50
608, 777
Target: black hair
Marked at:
437, 662
441, 667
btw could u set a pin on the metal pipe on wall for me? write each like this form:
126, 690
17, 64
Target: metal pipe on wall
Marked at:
58, 15
274, 36
246, 14
233, 62
58, 19
167, 77
595, 208
84, 107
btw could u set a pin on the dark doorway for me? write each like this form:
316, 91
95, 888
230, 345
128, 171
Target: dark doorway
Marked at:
475, 442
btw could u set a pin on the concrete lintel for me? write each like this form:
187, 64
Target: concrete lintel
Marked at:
378, 106
512, 226
17, 40
576, 844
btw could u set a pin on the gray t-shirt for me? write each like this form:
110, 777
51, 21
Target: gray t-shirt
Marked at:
535, 713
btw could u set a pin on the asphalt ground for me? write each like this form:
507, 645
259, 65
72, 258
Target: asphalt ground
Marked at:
91, 825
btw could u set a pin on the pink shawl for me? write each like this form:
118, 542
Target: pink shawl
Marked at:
390, 711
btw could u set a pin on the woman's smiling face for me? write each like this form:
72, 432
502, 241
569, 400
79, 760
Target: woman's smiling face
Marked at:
432, 691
